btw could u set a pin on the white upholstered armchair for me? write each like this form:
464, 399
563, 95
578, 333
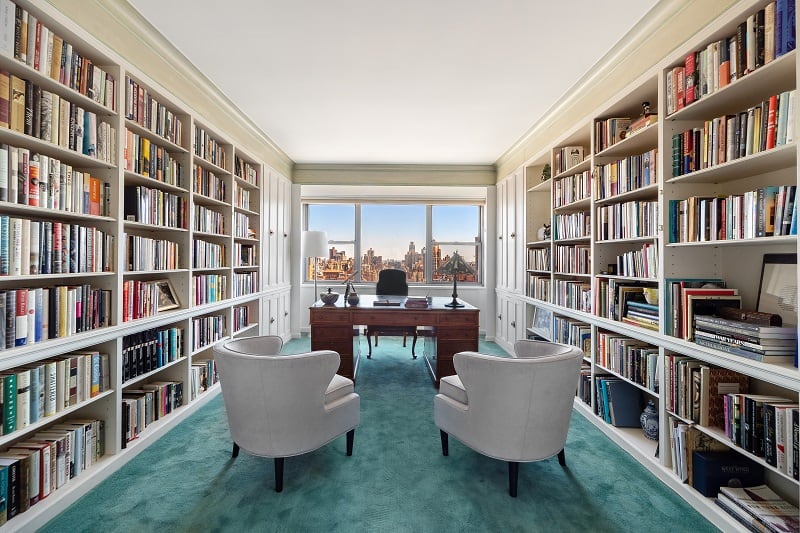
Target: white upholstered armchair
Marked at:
516, 409
284, 405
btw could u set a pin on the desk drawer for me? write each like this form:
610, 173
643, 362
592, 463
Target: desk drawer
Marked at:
328, 316
392, 318
332, 332
457, 333
459, 318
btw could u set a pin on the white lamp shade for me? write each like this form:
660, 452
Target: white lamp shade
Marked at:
315, 244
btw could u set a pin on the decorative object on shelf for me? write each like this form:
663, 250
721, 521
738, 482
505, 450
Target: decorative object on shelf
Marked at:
329, 298
454, 267
777, 290
543, 233
649, 420
546, 172
167, 299
651, 295
647, 118
315, 244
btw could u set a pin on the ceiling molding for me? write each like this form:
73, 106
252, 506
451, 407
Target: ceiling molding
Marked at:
354, 174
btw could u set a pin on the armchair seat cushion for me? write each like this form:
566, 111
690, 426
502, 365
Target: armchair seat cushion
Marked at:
452, 387
339, 387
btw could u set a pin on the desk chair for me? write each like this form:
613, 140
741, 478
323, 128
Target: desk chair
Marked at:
391, 282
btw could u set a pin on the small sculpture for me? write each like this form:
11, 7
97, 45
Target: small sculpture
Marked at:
543, 233
546, 172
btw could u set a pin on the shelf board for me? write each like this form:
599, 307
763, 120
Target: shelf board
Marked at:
202, 199
577, 169
163, 142
210, 166
539, 244
542, 186
638, 143
578, 205
152, 228
646, 238
11, 208
244, 183
628, 380
647, 192
780, 157
758, 241
132, 178
245, 211
143, 377
51, 277
65, 155
575, 240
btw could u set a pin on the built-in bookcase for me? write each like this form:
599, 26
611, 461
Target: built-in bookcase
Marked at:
130, 242
653, 188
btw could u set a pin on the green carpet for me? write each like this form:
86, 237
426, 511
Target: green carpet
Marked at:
396, 480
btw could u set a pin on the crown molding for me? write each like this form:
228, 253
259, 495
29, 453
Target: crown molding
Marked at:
394, 174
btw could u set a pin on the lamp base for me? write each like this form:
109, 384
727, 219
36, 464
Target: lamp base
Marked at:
454, 303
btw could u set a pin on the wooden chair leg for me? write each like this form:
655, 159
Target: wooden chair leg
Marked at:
235, 452
513, 477
445, 443
278, 474
561, 460
350, 435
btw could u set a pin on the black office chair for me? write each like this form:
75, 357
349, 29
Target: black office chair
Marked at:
391, 282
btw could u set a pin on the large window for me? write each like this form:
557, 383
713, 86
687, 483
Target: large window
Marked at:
420, 239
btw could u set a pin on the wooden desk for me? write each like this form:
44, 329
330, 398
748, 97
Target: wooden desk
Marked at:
453, 330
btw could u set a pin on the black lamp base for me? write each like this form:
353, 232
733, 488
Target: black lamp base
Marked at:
454, 303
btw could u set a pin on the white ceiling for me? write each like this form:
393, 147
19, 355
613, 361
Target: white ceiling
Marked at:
379, 81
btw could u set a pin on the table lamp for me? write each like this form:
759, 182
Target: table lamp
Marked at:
453, 267
315, 244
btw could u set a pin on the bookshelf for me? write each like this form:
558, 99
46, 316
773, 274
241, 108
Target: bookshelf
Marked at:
147, 218
635, 231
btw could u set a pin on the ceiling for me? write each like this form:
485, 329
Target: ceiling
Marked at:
378, 81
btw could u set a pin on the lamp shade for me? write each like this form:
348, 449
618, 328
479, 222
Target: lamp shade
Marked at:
315, 244
456, 265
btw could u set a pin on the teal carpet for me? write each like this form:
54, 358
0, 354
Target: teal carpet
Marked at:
396, 480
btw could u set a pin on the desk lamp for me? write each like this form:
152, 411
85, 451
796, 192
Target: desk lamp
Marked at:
315, 244
453, 267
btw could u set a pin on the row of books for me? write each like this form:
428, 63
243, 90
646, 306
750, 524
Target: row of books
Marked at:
539, 287
753, 214
39, 314
573, 294
765, 426
572, 225
242, 228
539, 258
245, 283
208, 220
30, 470
626, 175
37, 180
642, 314
639, 263
627, 220
241, 197
209, 148
142, 108
208, 254
585, 383
203, 375
764, 126
575, 259
632, 359
679, 293
143, 298
43, 389
759, 508
245, 170
617, 402
241, 317
149, 350
566, 157
28, 40
48, 247
206, 330
244, 254
572, 188
765, 343
572, 332
209, 184
209, 288
762, 37
145, 254
613, 296
156, 207
151, 160
685, 439
146, 404
28, 109
609, 131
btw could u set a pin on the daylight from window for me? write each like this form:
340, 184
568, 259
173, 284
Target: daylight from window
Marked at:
367, 238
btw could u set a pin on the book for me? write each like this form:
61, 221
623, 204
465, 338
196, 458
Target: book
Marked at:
762, 503
624, 403
715, 384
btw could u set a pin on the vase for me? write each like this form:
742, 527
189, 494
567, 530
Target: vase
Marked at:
353, 298
649, 421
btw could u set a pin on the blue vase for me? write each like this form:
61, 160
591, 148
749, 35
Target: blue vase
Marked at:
649, 421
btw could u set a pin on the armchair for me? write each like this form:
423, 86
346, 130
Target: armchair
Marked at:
391, 282
516, 409
280, 406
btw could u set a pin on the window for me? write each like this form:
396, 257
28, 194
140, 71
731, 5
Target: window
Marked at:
367, 238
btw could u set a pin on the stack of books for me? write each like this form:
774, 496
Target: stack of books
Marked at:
641, 314
759, 508
417, 302
752, 337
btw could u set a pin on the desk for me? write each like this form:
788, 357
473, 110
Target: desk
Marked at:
451, 330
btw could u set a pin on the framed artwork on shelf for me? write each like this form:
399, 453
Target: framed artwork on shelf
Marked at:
542, 323
167, 299
777, 291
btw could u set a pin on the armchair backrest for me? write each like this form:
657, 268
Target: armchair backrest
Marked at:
521, 405
263, 345
276, 404
392, 282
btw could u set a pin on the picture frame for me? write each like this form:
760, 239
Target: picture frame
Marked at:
542, 323
777, 289
167, 298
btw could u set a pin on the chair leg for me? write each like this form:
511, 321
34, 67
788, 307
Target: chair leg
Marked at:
235, 452
369, 345
561, 459
413, 347
513, 477
445, 443
404, 340
350, 435
278, 474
